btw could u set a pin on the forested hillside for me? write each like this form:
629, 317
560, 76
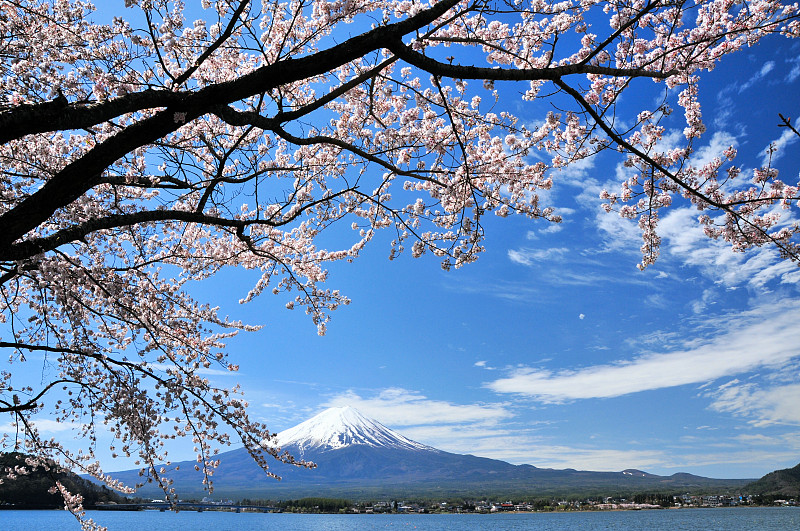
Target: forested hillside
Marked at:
784, 482
30, 491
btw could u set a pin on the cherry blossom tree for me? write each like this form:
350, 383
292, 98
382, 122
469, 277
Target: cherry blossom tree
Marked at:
155, 148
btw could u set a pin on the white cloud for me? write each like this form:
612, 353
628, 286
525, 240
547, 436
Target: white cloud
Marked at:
724, 111
204, 371
527, 256
401, 407
775, 405
601, 460
525, 446
708, 298
684, 237
789, 441
482, 429
686, 241
518, 450
275, 405
779, 145
794, 73
767, 336
554, 227
619, 234
575, 171
719, 142
793, 65
766, 68
45, 426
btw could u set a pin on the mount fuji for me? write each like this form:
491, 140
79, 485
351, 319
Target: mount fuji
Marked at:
340, 427
359, 457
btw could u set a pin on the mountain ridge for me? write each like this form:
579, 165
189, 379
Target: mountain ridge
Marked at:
784, 482
359, 457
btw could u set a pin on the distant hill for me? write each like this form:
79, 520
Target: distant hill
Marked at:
784, 482
30, 491
359, 458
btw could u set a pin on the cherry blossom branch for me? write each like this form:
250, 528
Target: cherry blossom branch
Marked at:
622, 29
234, 117
75, 233
16, 406
226, 33
133, 367
695, 192
551, 73
57, 115
80, 175
286, 116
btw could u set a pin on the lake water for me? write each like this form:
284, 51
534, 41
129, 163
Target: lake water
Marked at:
720, 519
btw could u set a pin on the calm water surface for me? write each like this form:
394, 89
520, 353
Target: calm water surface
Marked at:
741, 518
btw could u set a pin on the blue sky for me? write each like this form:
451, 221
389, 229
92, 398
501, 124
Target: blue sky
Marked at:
554, 349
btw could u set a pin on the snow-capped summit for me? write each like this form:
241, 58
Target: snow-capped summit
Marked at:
340, 427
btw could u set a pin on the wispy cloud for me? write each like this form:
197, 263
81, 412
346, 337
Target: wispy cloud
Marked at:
576, 171
724, 111
794, 71
45, 426
618, 233
528, 256
502, 289
204, 371
526, 445
554, 227
493, 431
526, 450
685, 241
763, 337
732, 457
778, 146
719, 142
773, 405
401, 407
766, 68
486, 430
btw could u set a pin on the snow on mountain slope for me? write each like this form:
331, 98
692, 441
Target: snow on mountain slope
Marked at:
340, 427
